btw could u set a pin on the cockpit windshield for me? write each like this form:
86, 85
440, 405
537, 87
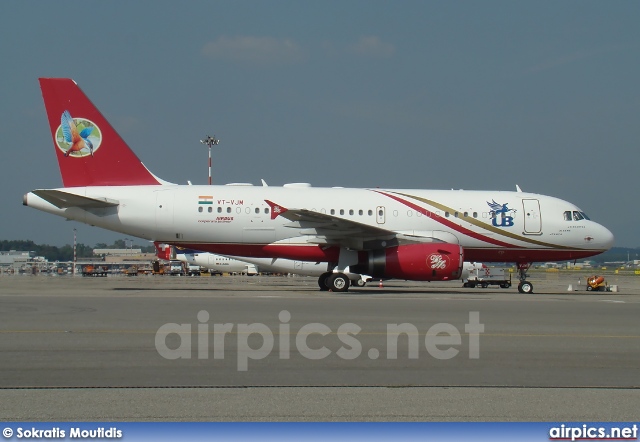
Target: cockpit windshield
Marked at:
575, 215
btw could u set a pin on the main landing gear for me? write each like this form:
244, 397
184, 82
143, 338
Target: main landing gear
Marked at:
524, 286
335, 282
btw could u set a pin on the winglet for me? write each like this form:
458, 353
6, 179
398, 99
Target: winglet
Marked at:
276, 209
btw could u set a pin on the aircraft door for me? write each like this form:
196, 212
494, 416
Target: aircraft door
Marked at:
532, 218
164, 212
380, 215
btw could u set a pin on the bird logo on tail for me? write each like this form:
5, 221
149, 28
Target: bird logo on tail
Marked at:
77, 137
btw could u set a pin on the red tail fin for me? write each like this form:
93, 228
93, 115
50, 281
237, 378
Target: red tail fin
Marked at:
90, 152
163, 251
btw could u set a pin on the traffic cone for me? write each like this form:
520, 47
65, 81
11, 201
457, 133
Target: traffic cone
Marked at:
380, 285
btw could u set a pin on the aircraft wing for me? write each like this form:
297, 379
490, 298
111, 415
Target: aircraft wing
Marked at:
63, 200
322, 228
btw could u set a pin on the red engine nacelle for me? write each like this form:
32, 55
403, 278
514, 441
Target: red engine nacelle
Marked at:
417, 262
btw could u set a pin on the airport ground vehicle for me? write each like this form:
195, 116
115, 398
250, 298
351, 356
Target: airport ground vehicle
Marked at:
90, 270
193, 270
487, 276
596, 283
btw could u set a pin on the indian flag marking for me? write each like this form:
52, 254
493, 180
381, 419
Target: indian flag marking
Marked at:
205, 199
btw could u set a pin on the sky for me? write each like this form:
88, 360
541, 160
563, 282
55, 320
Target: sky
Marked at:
396, 94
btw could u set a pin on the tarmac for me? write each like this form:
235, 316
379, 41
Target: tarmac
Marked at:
152, 348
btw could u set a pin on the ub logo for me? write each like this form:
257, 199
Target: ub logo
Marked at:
503, 220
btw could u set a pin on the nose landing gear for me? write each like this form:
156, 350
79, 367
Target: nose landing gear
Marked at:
524, 286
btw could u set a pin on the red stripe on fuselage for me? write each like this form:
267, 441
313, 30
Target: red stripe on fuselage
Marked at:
525, 255
448, 223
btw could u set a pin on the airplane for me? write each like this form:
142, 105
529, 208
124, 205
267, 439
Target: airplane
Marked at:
422, 235
237, 264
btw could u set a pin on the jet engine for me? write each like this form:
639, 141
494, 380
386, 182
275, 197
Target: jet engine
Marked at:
417, 262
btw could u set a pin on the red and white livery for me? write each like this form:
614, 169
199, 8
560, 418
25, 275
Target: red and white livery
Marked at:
420, 235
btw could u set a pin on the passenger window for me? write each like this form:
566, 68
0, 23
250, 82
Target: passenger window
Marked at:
333, 211
200, 209
455, 214
210, 209
266, 210
257, 210
360, 212
351, 212
446, 214
341, 211
475, 214
219, 209
370, 212
567, 215
466, 214
228, 209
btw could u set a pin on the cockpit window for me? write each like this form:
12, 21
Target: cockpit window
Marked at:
576, 215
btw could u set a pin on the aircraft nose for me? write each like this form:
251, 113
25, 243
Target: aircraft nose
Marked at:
604, 237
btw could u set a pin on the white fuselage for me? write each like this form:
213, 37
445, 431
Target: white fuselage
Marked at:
237, 220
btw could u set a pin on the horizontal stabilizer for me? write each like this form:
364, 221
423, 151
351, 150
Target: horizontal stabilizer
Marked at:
62, 200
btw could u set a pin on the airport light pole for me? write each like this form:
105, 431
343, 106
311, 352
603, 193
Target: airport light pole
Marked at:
75, 259
210, 141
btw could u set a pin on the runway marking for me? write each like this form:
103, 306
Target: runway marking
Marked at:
278, 386
275, 333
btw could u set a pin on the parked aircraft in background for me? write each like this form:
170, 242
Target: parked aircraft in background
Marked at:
422, 235
230, 264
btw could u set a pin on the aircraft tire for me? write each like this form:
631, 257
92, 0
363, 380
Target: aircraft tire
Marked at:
323, 280
525, 287
338, 282
358, 283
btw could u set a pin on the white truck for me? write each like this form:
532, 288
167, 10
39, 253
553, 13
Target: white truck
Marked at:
487, 276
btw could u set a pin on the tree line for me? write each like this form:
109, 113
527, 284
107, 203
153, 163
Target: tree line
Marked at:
65, 253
